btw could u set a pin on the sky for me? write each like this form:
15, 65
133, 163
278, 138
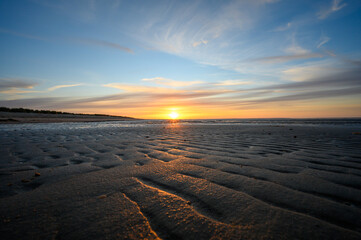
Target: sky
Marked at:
200, 59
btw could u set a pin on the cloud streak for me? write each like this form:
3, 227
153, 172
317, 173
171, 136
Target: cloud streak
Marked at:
18, 86
136, 98
323, 41
306, 96
211, 36
63, 86
287, 58
8, 83
195, 44
102, 43
140, 88
283, 28
93, 42
232, 83
15, 86
335, 6
171, 82
23, 35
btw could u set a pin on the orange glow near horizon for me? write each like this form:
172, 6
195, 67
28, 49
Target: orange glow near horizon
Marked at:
305, 109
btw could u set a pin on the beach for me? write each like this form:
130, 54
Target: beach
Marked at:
181, 180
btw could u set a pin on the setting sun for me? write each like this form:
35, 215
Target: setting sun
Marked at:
173, 115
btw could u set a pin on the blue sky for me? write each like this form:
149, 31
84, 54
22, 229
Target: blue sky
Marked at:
204, 59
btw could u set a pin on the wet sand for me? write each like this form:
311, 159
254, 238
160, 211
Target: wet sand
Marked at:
179, 181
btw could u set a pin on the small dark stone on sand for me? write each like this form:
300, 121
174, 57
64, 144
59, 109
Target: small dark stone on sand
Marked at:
294, 136
102, 196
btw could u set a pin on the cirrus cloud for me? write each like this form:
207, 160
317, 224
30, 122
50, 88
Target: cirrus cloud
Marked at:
170, 82
336, 5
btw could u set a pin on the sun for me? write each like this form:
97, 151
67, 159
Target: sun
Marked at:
173, 115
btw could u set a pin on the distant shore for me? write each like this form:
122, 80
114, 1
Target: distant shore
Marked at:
20, 117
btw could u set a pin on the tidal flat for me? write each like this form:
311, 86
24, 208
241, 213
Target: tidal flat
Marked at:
180, 180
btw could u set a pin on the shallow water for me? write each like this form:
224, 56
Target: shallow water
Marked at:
347, 122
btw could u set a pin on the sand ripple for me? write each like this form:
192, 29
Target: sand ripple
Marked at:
175, 181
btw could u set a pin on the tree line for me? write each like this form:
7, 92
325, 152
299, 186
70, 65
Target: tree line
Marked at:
27, 110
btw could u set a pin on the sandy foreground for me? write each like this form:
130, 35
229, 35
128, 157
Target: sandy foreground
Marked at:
15, 117
179, 181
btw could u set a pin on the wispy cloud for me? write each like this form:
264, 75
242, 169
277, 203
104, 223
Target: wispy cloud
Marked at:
19, 86
63, 86
23, 35
335, 5
232, 83
345, 78
214, 34
306, 72
140, 88
295, 49
292, 52
104, 44
323, 41
18, 91
93, 42
344, 83
15, 86
283, 27
6, 83
306, 96
198, 32
195, 44
287, 58
171, 82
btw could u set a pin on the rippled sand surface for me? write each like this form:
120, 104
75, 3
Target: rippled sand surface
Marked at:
179, 181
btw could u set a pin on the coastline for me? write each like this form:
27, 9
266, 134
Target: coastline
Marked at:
18, 118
